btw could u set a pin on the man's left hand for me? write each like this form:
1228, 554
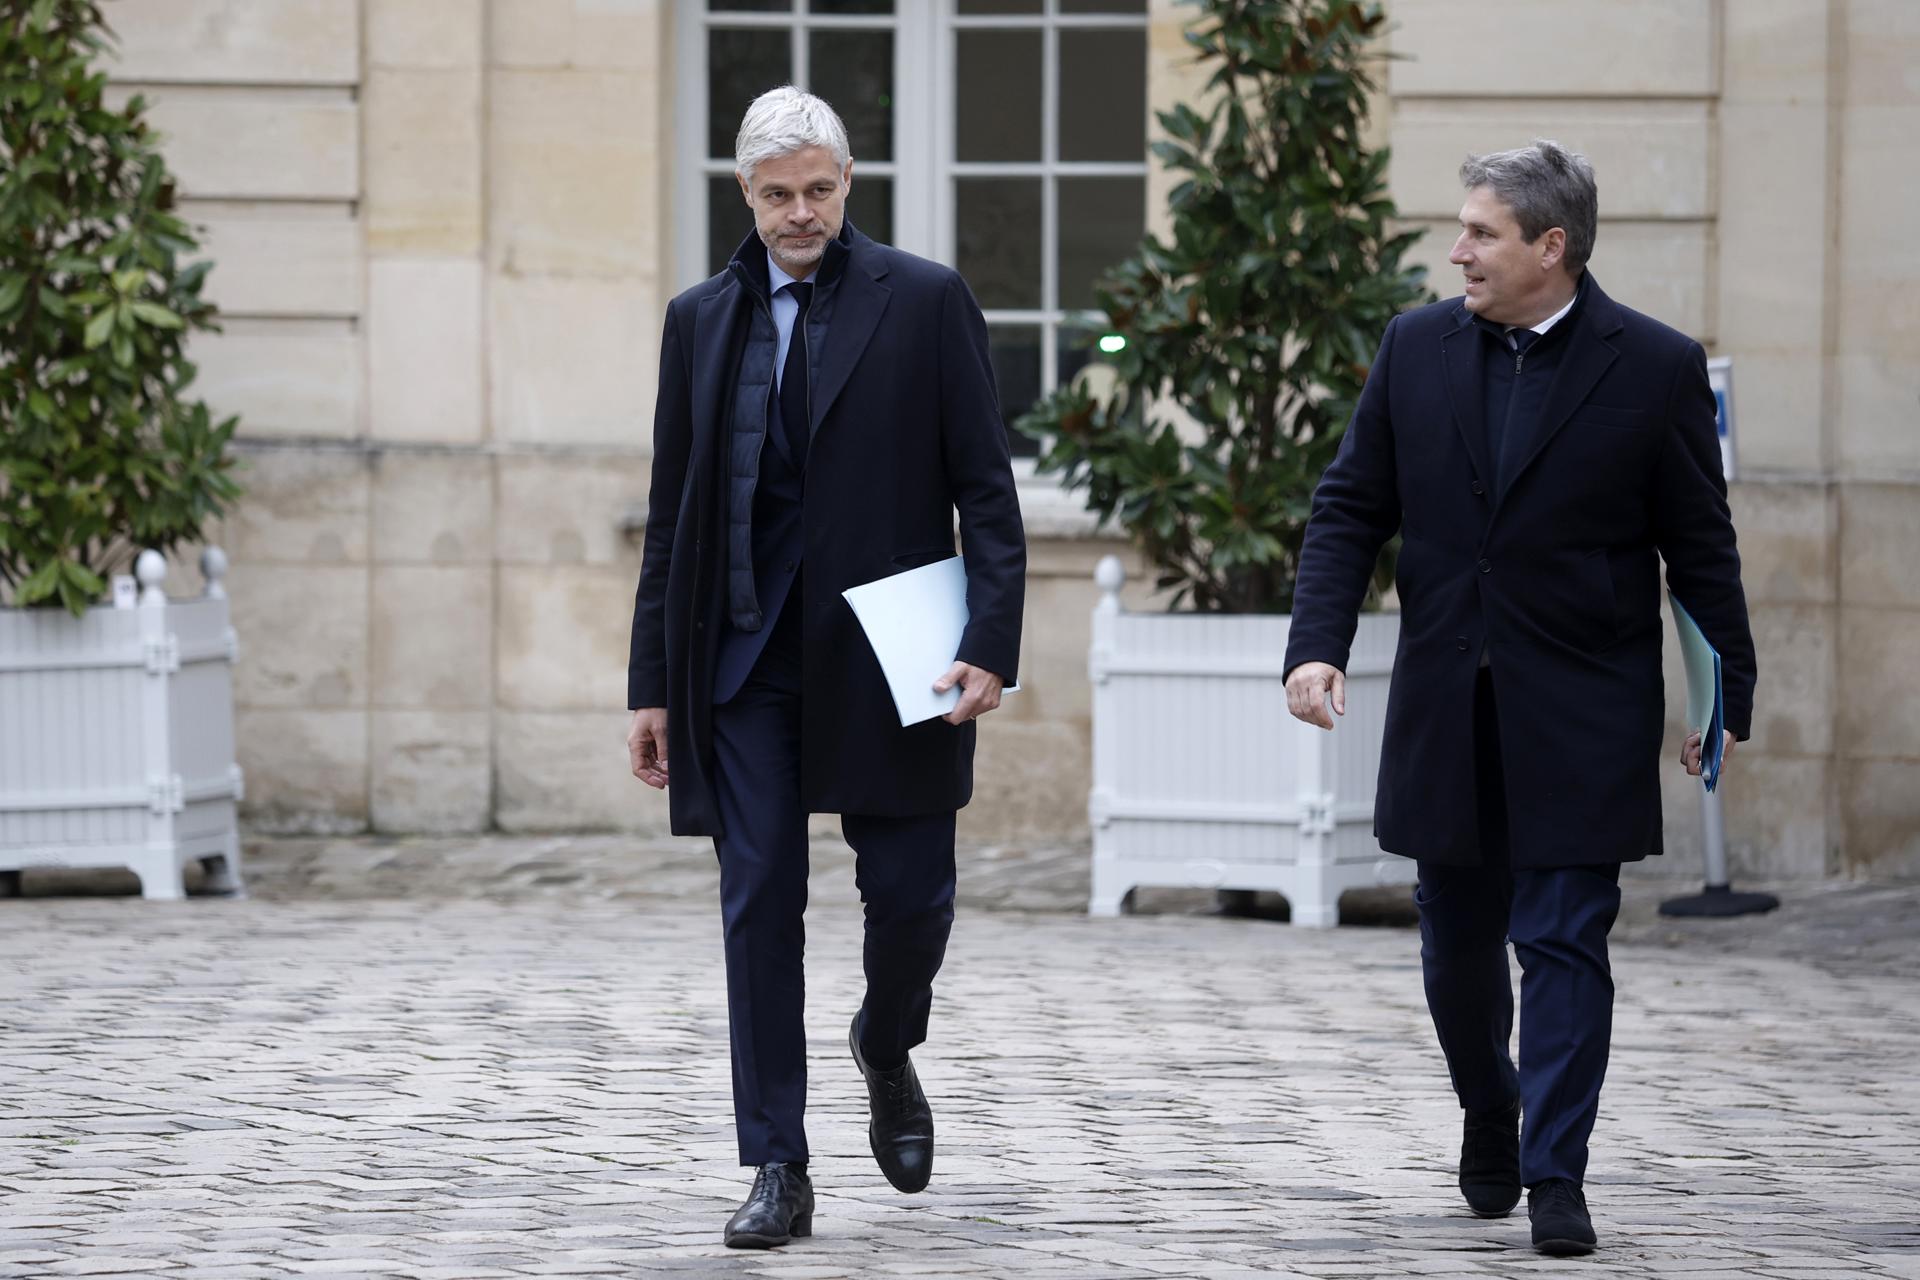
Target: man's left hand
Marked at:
1690, 752
979, 691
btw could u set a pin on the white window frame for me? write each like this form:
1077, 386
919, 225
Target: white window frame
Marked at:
923, 168
1049, 315
1047, 508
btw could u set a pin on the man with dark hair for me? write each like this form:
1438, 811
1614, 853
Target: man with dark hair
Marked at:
826, 408
1540, 449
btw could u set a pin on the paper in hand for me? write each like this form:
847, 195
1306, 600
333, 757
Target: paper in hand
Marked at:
914, 621
1706, 699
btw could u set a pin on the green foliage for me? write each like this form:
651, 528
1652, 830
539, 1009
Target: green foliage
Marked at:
1249, 333
101, 453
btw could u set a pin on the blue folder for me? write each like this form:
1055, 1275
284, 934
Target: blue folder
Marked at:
1706, 699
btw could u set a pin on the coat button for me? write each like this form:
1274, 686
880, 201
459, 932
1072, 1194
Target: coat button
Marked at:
1460, 643
1486, 566
1478, 487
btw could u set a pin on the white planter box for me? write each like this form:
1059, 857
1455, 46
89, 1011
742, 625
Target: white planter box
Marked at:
116, 737
1201, 779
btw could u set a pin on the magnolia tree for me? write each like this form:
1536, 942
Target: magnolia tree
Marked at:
102, 453
1248, 332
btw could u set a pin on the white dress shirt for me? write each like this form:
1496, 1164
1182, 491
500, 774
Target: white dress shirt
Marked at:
1544, 325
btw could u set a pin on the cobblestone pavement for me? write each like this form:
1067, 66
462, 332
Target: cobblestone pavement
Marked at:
507, 1057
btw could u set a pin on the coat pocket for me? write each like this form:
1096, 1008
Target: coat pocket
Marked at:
1600, 415
919, 556
1569, 600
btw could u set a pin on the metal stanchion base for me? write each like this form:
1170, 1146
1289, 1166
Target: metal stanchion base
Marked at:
1719, 900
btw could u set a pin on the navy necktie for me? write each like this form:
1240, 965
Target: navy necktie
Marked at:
793, 381
1508, 436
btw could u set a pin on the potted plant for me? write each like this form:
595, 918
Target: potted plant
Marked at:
116, 724
1236, 348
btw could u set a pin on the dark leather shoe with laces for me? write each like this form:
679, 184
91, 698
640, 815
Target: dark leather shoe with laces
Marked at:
779, 1207
1561, 1226
1490, 1161
901, 1128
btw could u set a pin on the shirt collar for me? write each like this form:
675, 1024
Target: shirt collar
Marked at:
1500, 331
1556, 317
779, 279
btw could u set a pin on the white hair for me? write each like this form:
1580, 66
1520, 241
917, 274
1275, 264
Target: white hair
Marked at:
785, 120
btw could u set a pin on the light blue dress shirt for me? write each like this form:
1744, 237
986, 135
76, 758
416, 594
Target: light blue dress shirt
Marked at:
785, 309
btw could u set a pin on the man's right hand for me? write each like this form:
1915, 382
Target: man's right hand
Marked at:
1316, 691
647, 746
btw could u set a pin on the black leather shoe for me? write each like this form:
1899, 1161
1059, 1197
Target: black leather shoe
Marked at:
1490, 1161
779, 1207
901, 1129
1561, 1226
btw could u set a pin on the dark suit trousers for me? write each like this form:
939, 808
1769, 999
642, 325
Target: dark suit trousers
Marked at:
1557, 920
904, 869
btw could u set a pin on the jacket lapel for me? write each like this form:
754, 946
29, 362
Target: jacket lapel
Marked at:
1460, 354
714, 326
856, 314
1587, 358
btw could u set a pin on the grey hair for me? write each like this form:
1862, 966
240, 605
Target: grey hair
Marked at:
785, 120
1546, 186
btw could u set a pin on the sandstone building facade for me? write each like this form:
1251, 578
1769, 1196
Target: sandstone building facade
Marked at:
446, 231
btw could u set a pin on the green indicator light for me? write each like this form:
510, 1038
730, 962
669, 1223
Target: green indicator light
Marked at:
1112, 343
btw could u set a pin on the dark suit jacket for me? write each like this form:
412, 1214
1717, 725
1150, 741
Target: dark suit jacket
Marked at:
906, 430
1560, 575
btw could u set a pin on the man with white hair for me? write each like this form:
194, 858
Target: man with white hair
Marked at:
1540, 449
826, 405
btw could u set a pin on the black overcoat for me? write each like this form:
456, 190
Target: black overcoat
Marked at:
1559, 575
906, 430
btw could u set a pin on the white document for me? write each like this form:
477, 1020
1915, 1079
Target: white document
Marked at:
914, 621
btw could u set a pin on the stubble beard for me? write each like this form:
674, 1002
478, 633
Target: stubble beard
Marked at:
789, 257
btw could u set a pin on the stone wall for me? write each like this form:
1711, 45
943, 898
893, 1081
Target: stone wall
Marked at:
442, 234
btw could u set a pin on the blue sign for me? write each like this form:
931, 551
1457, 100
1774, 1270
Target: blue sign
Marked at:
1720, 378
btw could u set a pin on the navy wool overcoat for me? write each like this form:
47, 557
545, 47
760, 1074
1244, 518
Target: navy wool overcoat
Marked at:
1558, 576
906, 431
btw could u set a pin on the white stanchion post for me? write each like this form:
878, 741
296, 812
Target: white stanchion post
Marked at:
1718, 897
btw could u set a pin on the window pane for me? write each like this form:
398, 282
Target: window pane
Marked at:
728, 220
1103, 6
1015, 350
997, 239
999, 6
1101, 222
741, 65
870, 207
999, 92
851, 6
1103, 95
855, 68
749, 6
